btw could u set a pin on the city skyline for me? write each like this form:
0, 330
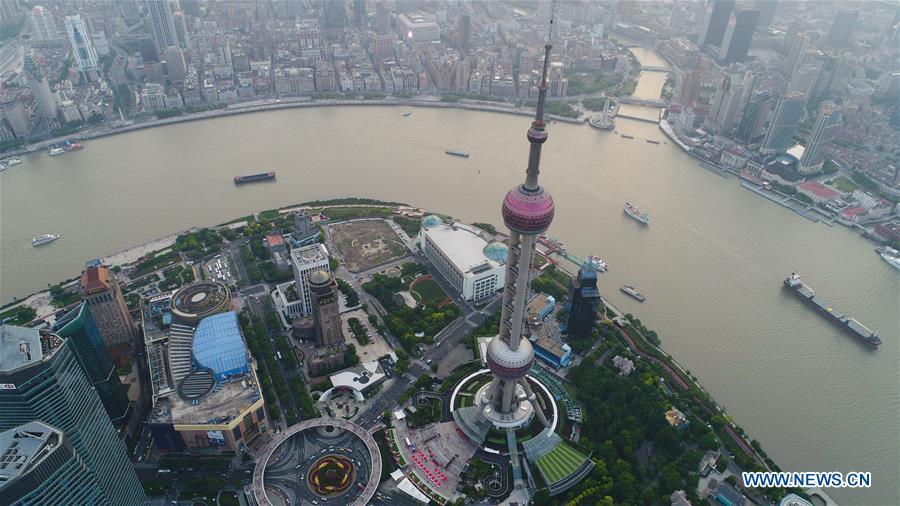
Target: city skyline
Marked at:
325, 244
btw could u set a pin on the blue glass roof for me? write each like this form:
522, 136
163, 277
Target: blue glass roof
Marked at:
497, 251
431, 221
219, 347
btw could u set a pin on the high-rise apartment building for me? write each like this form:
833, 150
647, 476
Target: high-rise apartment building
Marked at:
326, 315
306, 260
14, 111
841, 32
334, 14
175, 65
42, 380
82, 46
584, 301
43, 25
100, 291
788, 114
738, 35
715, 22
80, 329
162, 24
304, 230
39, 465
827, 123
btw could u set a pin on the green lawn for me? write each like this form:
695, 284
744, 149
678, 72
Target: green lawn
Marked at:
844, 184
429, 291
559, 463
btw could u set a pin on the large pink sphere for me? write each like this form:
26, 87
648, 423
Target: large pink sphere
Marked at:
528, 212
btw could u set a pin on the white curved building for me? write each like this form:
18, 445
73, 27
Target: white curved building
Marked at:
458, 252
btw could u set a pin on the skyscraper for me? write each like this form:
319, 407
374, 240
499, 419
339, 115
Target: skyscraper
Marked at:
82, 47
715, 22
827, 123
841, 31
40, 466
79, 328
325, 308
766, 10
100, 291
727, 103
42, 380
796, 54
43, 26
788, 114
752, 118
40, 88
307, 260
738, 35
464, 33
162, 24
584, 301
359, 12
527, 211
382, 18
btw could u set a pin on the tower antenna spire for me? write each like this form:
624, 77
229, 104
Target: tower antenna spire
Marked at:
536, 134
542, 89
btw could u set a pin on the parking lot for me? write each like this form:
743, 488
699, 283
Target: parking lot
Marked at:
377, 346
218, 269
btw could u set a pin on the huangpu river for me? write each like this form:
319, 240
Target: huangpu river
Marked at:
711, 262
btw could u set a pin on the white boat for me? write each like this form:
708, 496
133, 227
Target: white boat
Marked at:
9, 162
56, 151
891, 256
635, 213
44, 239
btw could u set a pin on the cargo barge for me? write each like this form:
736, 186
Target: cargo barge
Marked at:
850, 325
252, 178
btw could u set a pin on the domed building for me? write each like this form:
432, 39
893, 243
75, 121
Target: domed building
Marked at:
497, 251
431, 221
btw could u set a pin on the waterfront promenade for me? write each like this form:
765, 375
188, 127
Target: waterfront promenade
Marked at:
287, 103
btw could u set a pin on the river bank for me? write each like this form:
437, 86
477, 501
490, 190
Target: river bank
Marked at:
278, 104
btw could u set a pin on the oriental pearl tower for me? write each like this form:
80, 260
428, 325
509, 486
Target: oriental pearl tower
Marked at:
508, 400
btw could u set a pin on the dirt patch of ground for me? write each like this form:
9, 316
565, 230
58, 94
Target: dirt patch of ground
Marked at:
364, 244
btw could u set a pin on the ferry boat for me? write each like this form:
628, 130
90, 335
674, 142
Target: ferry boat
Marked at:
43, 239
633, 293
56, 151
850, 325
252, 178
635, 213
890, 255
407, 114
457, 153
